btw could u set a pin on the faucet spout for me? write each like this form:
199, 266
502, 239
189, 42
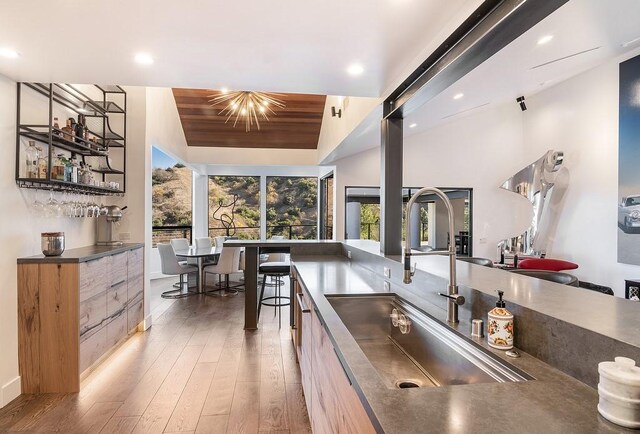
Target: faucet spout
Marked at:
452, 288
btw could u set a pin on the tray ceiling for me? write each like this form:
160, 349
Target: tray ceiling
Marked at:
297, 126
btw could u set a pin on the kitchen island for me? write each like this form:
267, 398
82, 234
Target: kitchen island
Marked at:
554, 401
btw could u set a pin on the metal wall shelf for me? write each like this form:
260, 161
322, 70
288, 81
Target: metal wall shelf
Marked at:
96, 112
78, 145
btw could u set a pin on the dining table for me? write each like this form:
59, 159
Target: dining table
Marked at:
200, 255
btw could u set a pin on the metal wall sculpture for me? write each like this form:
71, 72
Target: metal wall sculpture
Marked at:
543, 183
227, 216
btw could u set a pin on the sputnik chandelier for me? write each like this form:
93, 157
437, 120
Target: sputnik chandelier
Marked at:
252, 106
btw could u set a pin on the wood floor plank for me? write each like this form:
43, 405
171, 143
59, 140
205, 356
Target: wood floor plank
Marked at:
120, 425
244, 416
249, 369
187, 412
96, 418
23, 410
212, 424
214, 345
296, 410
220, 395
157, 414
273, 399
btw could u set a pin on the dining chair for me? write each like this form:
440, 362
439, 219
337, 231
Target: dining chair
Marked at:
204, 243
182, 244
228, 263
219, 242
170, 266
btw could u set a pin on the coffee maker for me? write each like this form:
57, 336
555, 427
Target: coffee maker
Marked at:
106, 224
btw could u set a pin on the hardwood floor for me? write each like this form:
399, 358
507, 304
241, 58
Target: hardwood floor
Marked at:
196, 370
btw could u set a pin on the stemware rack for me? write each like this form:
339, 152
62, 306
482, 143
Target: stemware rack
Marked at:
98, 113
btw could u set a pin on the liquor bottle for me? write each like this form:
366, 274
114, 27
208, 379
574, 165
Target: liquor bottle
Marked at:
42, 164
56, 125
79, 129
32, 157
74, 168
68, 131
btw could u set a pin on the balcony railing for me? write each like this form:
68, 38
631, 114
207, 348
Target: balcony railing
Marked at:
291, 232
371, 231
163, 234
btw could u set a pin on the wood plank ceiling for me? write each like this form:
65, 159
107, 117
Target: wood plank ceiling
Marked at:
297, 126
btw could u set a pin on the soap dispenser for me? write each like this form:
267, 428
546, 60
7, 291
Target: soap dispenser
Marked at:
500, 326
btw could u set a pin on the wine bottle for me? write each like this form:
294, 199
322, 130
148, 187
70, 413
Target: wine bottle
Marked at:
79, 129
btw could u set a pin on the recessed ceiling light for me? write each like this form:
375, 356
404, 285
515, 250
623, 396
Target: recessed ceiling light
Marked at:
545, 39
458, 95
413, 125
144, 59
9, 53
355, 69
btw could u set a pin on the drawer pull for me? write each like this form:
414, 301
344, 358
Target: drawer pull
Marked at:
303, 306
119, 283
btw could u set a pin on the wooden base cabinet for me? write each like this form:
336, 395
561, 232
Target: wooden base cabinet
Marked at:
332, 402
71, 314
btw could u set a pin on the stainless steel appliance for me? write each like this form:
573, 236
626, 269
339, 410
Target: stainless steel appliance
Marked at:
52, 243
106, 224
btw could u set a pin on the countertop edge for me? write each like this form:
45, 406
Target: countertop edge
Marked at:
80, 254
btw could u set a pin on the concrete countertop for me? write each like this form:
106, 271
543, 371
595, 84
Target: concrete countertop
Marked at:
554, 402
81, 254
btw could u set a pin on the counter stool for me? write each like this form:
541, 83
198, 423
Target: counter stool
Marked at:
277, 270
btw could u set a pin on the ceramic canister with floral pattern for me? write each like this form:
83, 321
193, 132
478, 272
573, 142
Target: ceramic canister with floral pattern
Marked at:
500, 326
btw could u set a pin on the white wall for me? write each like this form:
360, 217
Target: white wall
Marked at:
334, 130
483, 149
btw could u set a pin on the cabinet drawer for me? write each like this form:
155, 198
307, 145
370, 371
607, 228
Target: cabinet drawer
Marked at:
136, 263
93, 348
118, 268
135, 315
93, 315
94, 278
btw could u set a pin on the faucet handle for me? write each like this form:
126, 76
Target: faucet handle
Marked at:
456, 298
412, 269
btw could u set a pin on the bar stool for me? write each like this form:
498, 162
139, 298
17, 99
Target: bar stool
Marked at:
277, 270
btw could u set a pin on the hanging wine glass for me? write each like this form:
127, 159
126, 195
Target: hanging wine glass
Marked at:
38, 206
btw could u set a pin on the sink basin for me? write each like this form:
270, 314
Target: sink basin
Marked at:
419, 352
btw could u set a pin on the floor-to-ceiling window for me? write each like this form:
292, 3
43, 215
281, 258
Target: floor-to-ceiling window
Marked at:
292, 207
234, 206
171, 198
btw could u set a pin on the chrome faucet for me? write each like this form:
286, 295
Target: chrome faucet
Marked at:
455, 299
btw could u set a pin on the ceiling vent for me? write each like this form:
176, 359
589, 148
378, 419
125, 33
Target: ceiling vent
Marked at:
566, 57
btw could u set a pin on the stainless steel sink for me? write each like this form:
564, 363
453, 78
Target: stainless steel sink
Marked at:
414, 350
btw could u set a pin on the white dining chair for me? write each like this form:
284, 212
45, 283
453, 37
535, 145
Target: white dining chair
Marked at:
170, 266
228, 263
219, 242
204, 243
